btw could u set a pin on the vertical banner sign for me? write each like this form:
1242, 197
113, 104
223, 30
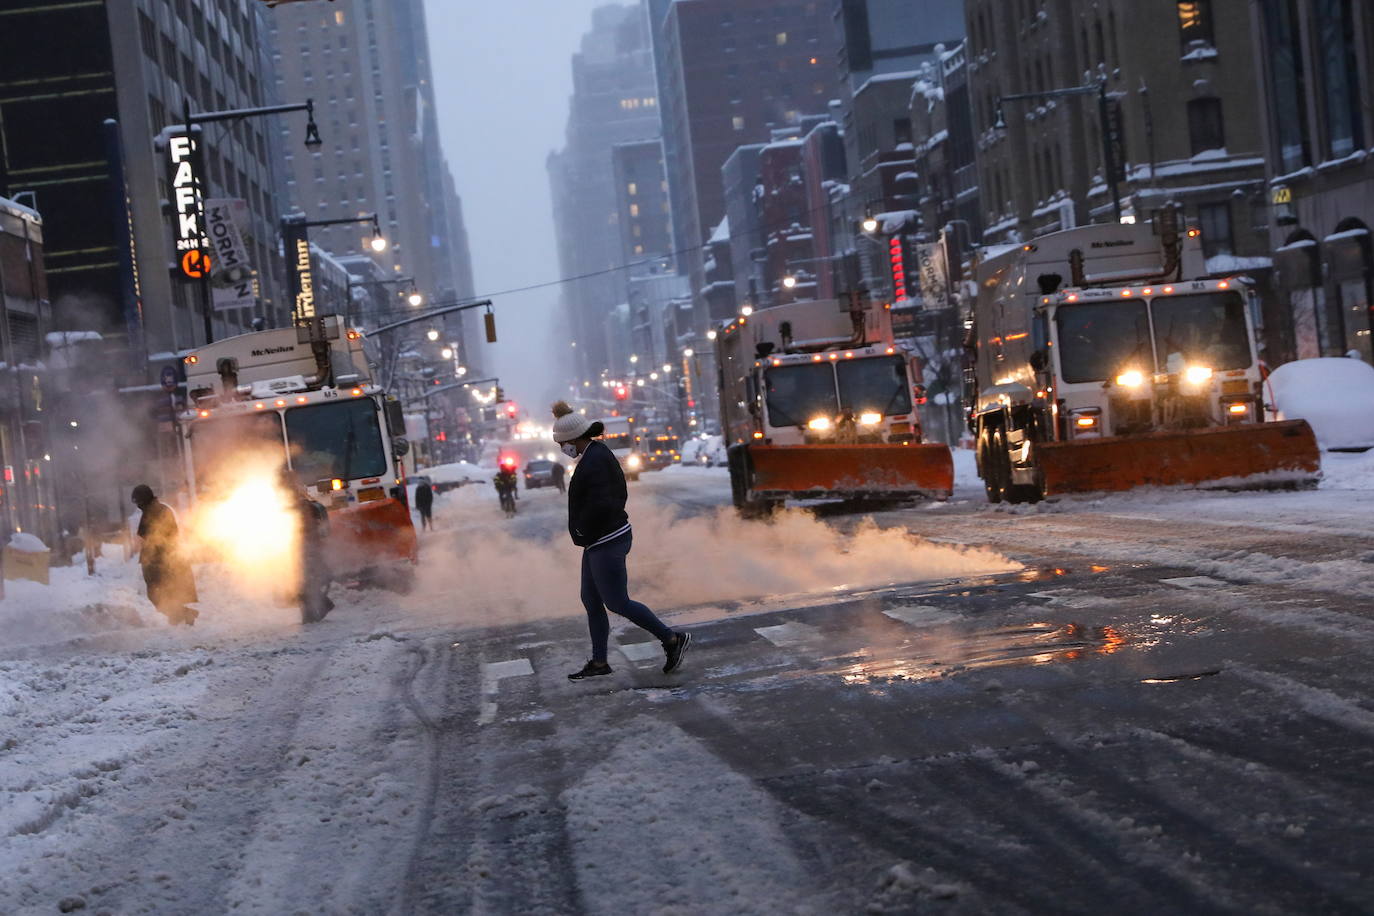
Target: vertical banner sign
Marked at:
299, 278
934, 282
1116, 136
232, 275
897, 257
183, 177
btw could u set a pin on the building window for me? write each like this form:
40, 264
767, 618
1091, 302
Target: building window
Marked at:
737, 122
148, 33
1195, 24
780, 38
1287, 86
634, 209
1214, 220
1205, 125
1340, 77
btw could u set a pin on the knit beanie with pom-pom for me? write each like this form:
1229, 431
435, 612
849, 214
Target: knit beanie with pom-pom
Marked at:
568, 424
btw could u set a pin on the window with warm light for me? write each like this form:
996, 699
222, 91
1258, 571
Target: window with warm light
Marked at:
781, 38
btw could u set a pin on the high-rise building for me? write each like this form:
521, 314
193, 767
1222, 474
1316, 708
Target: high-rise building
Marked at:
1316, 61
614, 101
366, 65
729, 72
66, 69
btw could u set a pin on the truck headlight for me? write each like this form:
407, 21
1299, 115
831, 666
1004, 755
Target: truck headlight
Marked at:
1131, 378
633, 461
1196, 375
820, 424
870, 419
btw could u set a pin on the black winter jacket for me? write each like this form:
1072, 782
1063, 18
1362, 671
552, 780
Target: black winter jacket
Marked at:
596, 496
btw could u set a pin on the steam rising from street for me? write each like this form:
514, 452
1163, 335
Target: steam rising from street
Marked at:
496, 576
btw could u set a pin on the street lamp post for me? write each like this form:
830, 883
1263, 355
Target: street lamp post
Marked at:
1104, 120
413, 295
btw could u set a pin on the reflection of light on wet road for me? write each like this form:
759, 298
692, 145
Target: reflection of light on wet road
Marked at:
1038, 643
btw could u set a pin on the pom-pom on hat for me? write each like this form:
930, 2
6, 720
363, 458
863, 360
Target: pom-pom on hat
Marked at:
568, 424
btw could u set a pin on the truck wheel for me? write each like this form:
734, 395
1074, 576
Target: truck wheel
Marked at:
991, 466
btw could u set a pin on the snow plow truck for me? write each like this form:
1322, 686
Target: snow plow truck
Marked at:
303, 398
817, 401
1096, 362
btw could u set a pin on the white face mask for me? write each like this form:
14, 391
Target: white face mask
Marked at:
569, 449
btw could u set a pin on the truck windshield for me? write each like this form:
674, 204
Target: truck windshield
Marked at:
1202, 330
342, 439
1099, 340
224, 445
874, 385
617, 440
797, 394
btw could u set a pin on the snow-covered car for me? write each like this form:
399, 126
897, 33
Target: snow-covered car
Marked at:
451, 476
693, 449
713, 454
1335, 395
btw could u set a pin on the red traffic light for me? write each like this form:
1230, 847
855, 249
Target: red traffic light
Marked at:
621, 392
512, 409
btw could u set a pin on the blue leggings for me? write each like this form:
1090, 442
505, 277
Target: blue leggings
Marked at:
604, 585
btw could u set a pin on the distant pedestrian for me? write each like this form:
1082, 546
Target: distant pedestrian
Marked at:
166, 572
558, 474
424, 504
597, 523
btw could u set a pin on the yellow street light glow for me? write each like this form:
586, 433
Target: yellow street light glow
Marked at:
446, 353
819, 424
746, 310
870, 419
789, 281
378, 243
689, 352
1196, 375
415, 299
711, 334
1131, 378
869, 224
432, 334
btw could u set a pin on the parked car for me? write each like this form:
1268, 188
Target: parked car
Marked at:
1335, 395
713, 453
540, 473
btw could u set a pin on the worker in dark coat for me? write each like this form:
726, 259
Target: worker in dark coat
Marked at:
166, 572
558, 474
424, 504
597, 523
313, 527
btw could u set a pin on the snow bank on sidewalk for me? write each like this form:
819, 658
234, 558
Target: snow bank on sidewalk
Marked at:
75, 604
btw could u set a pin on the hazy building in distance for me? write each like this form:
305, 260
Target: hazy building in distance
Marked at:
614, 101
366, 65
729, 72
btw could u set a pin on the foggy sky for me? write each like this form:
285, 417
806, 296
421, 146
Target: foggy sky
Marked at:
502, 77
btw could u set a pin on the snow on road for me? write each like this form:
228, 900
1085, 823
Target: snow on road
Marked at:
424, 752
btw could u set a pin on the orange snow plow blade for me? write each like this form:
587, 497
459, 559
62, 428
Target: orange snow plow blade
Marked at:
818, 471
1249, 456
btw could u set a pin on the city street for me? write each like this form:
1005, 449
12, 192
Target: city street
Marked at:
1126, 702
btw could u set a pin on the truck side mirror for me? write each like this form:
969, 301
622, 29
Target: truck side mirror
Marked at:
1040, 360
400, 445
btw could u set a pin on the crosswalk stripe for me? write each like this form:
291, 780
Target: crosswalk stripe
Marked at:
786, 635
640, 651
1195, 582
492, 675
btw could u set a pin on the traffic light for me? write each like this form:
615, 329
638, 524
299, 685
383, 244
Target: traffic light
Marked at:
621, 392
500, 394
512, 409
491, 327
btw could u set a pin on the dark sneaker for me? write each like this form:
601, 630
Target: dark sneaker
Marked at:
675, 650
591, 669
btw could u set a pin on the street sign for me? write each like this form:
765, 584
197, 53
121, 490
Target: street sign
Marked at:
300, 280
232, 276
183, 176
169, 378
